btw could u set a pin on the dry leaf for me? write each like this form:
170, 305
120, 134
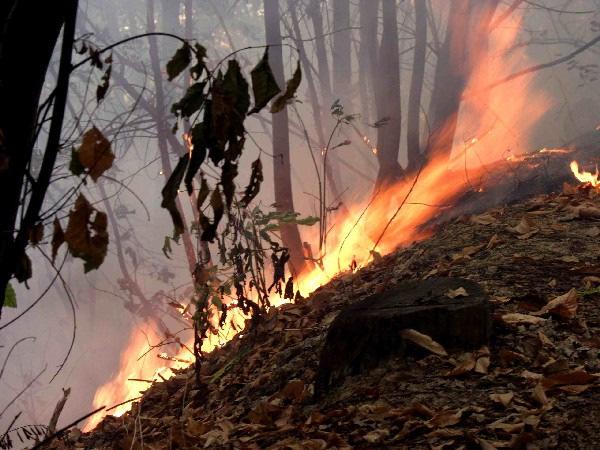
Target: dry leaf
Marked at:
484, 219
539, 394
518, 318
576, 376
524, 229
445, 419
294, 390
564, 306
493, 242
459, 292
505, 398
424, 341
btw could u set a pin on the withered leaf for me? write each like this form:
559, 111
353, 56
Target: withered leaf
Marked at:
422, 340
58, 237
290, 91
256, 178
264, 86
180, 60
95, 153
86, 234
169, 194
564, 305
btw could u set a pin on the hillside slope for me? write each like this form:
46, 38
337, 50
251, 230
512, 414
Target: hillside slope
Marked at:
536, 386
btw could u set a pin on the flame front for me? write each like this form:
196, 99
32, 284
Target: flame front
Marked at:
491, 125
584, 176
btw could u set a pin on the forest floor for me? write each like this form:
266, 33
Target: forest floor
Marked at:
537, 385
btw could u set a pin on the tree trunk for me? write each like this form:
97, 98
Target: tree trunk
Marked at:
413, 131
314, 12
366, 51
341, 60
284, 201
387, 87
162, 128
464, 46
22, 77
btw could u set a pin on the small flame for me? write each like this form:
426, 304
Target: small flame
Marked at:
187, 138
584, 176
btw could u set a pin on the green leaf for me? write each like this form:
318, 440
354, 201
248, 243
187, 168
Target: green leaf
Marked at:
290, 91
308, 221
10, 297
264, 85
179, 62
169, 194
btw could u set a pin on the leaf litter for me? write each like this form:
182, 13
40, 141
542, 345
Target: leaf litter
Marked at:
526, 390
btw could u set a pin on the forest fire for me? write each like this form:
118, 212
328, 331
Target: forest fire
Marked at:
490, 124
584, 176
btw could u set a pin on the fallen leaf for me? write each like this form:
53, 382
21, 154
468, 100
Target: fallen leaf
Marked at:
445, 419
576, 376
539, 394
484, 219
493, 242
504, 398
524, 229
459, 292
424, 341
294, 390
564, 305
518, 318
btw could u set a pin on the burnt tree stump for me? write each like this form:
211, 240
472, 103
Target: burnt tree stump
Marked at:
368, 332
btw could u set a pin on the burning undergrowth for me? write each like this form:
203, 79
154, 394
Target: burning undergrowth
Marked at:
537, 261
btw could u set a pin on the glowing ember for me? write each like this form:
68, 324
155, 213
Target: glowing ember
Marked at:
583, 176
494, 121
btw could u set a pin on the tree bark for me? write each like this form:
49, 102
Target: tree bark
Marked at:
314, 12
284, 201
413, 131
341, 60
22, 77
464, 46
387, 87
162, 128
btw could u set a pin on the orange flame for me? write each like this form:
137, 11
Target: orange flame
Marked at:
584, 176
490, 124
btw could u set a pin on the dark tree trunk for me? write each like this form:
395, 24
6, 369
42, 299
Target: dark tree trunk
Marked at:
464, 46
387, 88
367, 52
413, 131
342, 53
290, 235
314, 12
162, 128
22, 75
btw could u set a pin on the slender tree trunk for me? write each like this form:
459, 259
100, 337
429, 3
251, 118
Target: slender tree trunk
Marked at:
413, 131
162, 127
341, 60
290, 235
314, 12
366, 51
22, 77
388, 99
464, 46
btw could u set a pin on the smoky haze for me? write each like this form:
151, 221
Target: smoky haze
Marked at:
337, 55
